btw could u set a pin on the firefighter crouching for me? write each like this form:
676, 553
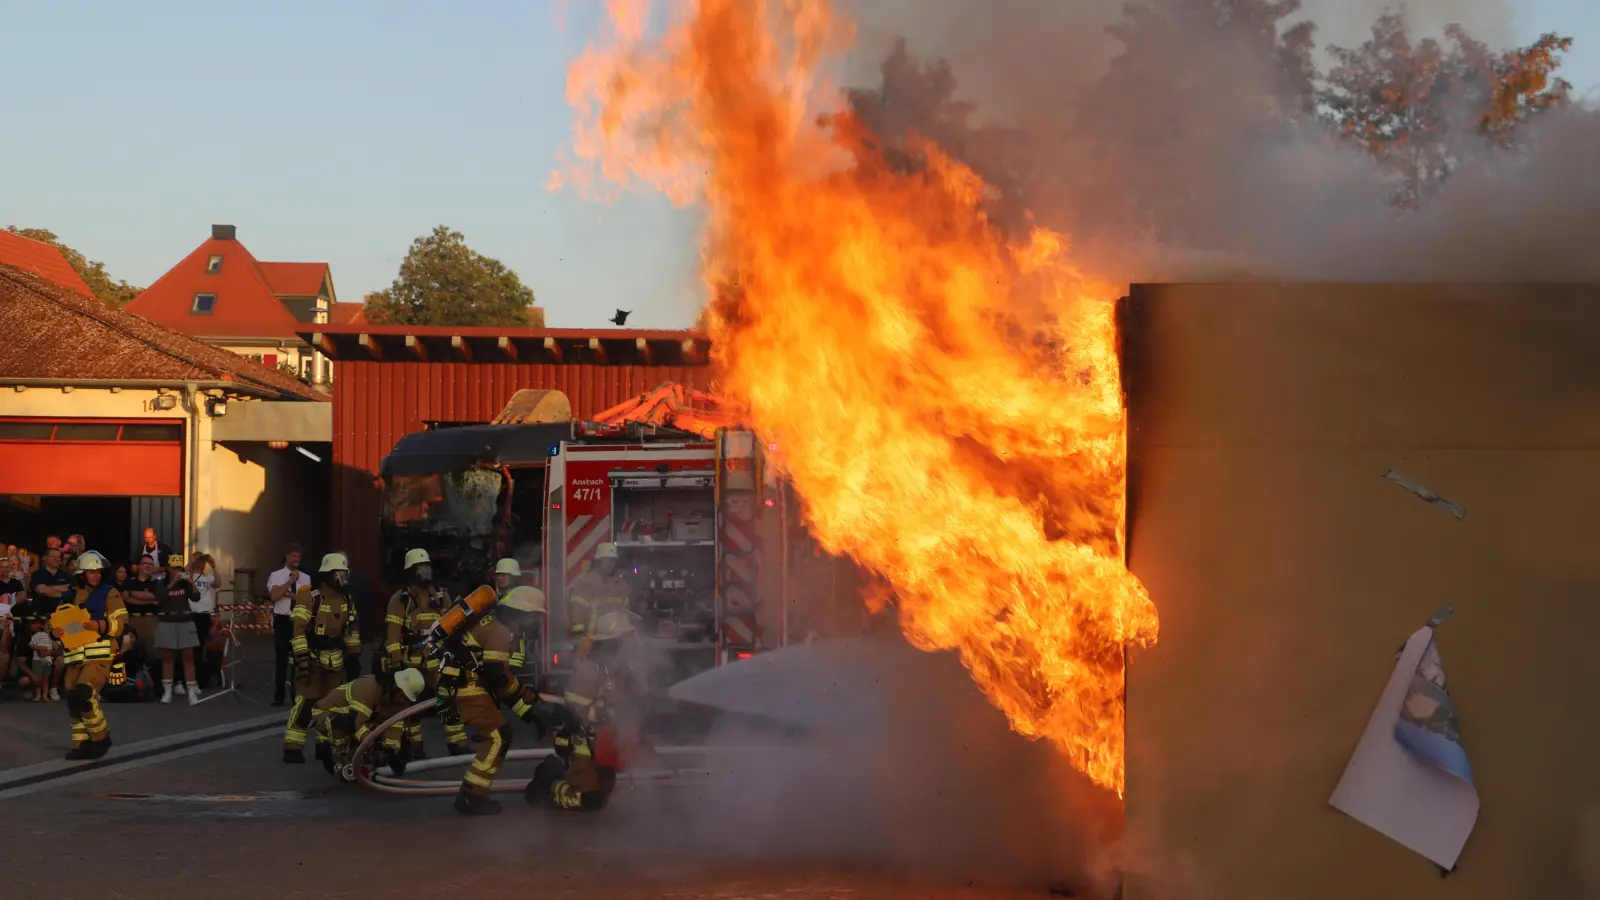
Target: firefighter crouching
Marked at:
326, 644
89, 664
413, 610
475, 677
343, 718
583, 772
599, 590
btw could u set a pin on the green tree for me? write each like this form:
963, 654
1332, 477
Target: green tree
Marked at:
1419, 107
113, 291
442, 281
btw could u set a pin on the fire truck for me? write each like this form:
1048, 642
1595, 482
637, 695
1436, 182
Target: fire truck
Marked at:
684, 494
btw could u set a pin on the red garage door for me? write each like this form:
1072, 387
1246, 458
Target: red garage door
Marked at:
91, 457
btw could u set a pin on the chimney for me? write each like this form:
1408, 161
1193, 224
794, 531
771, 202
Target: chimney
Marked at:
222, 232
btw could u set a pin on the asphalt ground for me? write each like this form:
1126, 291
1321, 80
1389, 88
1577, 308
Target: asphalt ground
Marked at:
221, 815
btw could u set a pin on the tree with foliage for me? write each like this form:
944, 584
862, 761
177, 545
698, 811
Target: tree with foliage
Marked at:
1419, 106
442, 281
113, 291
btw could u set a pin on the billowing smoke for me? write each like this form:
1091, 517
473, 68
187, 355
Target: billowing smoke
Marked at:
1163, 149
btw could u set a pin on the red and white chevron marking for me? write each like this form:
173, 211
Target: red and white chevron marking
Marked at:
584, 534
739, 630
739, 567
738, 536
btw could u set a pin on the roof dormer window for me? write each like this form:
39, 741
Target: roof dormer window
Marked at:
214, 264
203, 304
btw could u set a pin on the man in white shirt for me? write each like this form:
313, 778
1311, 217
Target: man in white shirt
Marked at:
282, 586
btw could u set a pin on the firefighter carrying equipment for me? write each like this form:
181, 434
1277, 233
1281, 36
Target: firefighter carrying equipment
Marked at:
475, 683
326, 636
413, 611
334, 562
416, 557
508, 566
593, 594
88, 666
587, 758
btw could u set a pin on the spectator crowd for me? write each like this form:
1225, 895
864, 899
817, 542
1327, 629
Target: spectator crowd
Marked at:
170, 647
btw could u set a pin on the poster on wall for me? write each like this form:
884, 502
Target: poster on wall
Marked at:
1409, 778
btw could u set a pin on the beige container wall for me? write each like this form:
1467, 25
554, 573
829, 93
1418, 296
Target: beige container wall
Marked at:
1288, 572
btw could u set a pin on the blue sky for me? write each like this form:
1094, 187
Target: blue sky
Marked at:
339, 131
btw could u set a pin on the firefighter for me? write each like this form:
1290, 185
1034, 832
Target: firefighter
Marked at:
583, 772
88, 666
354, 708
594, 593
475, 677
412, 611
326, 644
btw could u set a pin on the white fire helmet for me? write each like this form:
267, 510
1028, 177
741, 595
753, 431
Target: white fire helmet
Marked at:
410, 682
524, 599
413, 557
335, 562
612, 625
508, 566
606, 551
91, 561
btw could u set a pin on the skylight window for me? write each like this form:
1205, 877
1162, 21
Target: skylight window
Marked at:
203, 304
214, 264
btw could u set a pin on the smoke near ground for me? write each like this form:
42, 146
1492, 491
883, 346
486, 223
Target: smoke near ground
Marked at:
904, 769
1172, 167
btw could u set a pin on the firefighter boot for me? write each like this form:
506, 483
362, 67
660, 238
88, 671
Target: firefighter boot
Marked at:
98, 749
325, 756
82, 751
550, 771
470, 804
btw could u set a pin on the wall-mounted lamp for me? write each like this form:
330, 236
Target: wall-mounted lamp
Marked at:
217, 407
164, 401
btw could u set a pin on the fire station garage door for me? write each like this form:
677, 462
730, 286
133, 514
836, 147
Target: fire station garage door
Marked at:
91, 458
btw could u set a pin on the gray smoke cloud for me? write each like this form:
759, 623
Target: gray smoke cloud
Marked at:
1170, 170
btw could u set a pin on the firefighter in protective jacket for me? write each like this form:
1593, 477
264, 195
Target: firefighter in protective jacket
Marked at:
412, 612
598, 591
326, 644
88, 664
344, 717
583, 772
475, 678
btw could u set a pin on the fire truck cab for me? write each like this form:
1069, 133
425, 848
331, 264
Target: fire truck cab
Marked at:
693, 520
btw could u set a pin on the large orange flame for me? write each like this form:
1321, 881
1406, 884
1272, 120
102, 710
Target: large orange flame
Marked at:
946, 402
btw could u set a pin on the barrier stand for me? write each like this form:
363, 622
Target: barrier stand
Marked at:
389, 783
236, 618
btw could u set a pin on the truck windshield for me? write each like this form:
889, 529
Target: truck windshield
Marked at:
460, 503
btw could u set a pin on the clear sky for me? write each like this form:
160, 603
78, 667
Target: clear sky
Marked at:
338, 131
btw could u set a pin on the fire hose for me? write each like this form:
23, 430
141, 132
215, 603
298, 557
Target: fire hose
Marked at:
365, 774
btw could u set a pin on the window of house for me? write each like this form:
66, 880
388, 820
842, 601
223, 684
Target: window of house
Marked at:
214, 264
203, 304
305, 368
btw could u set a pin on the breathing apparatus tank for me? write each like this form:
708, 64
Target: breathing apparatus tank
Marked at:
459, 617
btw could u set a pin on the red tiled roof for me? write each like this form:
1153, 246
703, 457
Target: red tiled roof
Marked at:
47, 331
293, 279
41, 259
348, 314
246, 304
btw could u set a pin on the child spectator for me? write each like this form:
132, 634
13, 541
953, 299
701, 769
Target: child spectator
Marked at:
44, 659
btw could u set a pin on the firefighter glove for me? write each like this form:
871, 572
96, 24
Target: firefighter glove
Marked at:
446, 712
542, 717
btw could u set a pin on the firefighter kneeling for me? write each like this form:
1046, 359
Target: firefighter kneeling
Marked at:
343, 718
583, 772
475, 677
